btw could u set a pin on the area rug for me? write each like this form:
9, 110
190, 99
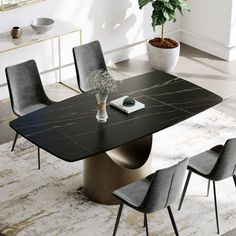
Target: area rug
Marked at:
50, 201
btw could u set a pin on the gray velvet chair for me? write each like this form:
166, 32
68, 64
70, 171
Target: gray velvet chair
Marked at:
155, 192
88, 58
215, 164
26, 91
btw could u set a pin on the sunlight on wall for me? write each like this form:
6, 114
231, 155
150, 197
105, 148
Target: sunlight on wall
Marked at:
233, 25
116, 24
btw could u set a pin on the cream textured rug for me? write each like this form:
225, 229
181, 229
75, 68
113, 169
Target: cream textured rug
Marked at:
51, 201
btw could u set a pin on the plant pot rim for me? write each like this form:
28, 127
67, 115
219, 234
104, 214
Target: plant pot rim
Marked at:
163, 48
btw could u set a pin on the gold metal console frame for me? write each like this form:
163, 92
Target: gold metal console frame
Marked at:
57, 36
60, 64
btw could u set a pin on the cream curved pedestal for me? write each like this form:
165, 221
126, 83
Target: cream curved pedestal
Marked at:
113, 169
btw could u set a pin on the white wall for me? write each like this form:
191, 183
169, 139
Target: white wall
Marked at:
232, 55
117, 24
208, 26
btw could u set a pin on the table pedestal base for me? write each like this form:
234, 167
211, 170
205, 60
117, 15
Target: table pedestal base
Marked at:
108, 171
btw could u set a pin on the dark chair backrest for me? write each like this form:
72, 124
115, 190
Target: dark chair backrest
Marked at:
226, 164
25, 86
88, 58
165, 187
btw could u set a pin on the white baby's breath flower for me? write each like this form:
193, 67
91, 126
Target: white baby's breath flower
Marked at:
100, 81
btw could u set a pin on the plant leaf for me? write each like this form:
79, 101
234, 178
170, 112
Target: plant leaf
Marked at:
164, 10
169, 6
165, 14
142, 3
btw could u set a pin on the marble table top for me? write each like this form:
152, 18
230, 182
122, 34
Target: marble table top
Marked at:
70, 131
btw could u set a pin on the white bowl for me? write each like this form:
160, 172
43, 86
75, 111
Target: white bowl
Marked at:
41, 25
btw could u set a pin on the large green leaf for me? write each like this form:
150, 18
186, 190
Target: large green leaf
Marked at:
158, 5
142, 3
166, 15
170, 13
168, 5
164, 10
157, 19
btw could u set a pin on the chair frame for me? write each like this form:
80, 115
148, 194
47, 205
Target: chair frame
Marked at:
12, 102
170, 179
208, 189
145, 222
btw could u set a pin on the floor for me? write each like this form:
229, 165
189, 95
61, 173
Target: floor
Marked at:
210, 72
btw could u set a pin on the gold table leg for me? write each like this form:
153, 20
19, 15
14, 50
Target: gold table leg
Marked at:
108, 171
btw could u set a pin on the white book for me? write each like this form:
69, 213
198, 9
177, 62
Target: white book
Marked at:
118, 103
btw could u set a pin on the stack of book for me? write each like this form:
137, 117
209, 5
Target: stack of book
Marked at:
118, 103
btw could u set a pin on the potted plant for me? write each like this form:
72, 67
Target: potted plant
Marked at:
101, 83
163, 53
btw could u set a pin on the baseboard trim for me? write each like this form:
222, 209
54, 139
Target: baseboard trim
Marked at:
208, 45
134, 49
200, 42
232, 53
125, 52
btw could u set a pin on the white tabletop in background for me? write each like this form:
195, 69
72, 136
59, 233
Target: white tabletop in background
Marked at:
29, 37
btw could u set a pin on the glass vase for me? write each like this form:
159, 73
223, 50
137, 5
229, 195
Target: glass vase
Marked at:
102, 112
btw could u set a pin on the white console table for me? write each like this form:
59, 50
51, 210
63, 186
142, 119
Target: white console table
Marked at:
59, 29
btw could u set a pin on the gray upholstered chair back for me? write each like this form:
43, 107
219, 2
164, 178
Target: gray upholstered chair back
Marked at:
165, 187
25, 87
225, 166
88, 58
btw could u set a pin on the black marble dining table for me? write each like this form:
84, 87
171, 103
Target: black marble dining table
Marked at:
70, 131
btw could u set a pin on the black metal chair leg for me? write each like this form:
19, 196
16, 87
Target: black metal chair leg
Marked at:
234, 177
184, 191
173, 221
14, 142
146, 223
118, 218
216, 211
38, 158
208, 188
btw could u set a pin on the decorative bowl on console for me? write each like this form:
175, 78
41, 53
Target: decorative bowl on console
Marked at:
41, 25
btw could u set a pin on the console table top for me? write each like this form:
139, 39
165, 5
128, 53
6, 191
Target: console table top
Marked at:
29, 37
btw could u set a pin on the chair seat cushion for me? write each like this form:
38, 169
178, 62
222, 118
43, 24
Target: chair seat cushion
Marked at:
134, 193
204, 162
33, 108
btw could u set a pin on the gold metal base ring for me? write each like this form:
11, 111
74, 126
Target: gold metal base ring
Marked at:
108, 171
